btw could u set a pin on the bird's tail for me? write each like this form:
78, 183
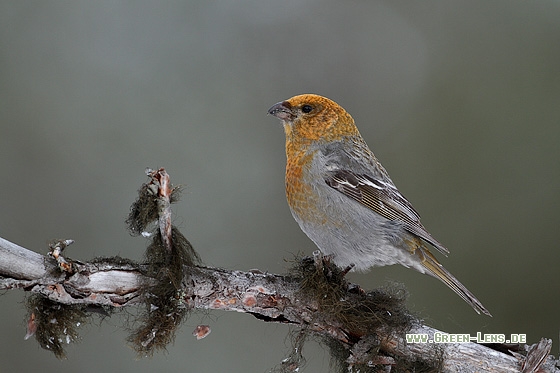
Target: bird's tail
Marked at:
435, 269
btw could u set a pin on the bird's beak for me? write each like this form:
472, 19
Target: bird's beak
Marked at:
283, 111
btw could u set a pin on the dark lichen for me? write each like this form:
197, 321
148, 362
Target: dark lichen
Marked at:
56, 324
364, 316
359, 312
164, 309
144, 210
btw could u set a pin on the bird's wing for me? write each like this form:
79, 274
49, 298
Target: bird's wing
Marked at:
383, 198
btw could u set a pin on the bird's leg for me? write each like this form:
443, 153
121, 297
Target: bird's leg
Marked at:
347, 269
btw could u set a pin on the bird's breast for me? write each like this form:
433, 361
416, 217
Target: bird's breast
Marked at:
301, 189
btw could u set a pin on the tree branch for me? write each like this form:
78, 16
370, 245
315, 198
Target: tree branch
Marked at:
268, 297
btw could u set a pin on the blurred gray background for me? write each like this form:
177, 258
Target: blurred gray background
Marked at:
459, 100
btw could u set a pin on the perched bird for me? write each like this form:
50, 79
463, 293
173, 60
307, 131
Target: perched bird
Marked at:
344, 200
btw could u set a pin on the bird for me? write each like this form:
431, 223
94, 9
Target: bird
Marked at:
344, 200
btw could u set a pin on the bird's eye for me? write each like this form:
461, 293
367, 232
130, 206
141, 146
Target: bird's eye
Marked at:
306, 108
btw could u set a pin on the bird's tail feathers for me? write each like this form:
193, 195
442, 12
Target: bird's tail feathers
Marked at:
435, 269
